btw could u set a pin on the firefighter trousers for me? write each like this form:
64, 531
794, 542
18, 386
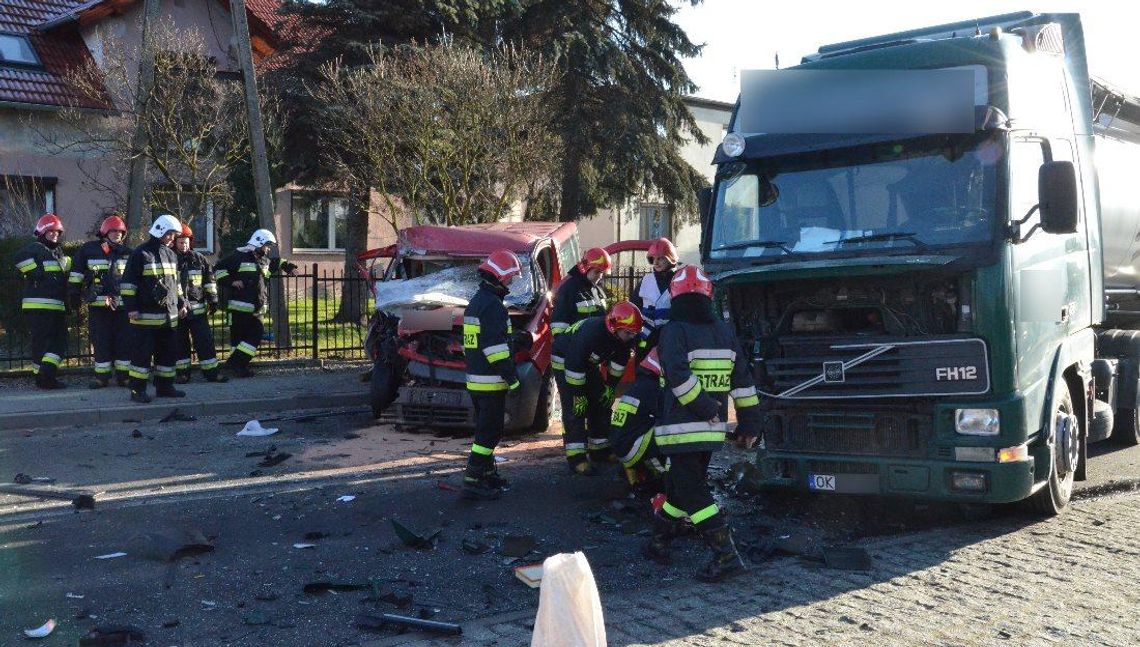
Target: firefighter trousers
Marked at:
489, 420
246, 330
49, 342
196, 328
586, 419
687, 491
159, 342
110, 332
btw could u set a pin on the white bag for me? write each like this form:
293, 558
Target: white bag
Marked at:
569, 609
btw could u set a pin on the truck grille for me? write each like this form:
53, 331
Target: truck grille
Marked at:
848, 433
842, 367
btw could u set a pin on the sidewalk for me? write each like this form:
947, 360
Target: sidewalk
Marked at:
22, 406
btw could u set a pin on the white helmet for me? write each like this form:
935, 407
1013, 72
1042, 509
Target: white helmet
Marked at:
262, 237
163, 224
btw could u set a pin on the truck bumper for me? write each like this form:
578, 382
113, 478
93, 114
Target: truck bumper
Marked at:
449, 404
941, 480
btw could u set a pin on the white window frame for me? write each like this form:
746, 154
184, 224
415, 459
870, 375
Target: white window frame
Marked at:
330, 226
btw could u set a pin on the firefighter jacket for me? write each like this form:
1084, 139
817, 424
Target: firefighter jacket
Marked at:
654, 296
252, 269
45, 276
487, 343
576, 299
98, 271
150, 285
196, 277
584, 348
635, 414
703, 367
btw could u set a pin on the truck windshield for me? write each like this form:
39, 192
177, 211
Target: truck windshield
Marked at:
900, 196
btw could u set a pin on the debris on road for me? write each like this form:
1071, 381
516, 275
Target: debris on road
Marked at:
275, 459
443, 485
111, 555
80, 499
178, 416
112, 635
517, 545
254, 428
24, 479
474, 546
135, 433
345, 498
745, 478
851, 558
165, 548
75, 596
43, 631
318, 588
530, 574
301, 546
412, 539
372, 622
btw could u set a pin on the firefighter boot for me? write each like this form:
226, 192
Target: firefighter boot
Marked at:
183, 376
665, 530
164, 388
215, 375
475, 484
494, 479
726, 561
99, 382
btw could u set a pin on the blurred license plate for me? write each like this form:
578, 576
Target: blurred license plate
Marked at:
821, 482
436, 398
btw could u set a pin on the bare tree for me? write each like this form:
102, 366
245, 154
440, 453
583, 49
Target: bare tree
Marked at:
192, 119
22, 202
447, 133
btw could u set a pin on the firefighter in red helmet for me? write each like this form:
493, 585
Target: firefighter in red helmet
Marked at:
704, 366
580, 295
196, 278
44, 268
95, 278
577, 357
491, 372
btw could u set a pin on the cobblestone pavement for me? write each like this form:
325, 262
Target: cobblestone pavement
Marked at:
1014, 580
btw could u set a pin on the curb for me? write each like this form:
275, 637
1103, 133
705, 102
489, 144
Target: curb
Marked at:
150, 412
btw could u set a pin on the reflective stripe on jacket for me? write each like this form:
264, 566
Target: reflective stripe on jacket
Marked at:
98, 272
575, 300
196, 276
150, 285
487, 344
253, 271
635, 414
45, 274
584, 347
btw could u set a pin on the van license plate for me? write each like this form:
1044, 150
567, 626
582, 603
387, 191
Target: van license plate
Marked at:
441, 398
821, 482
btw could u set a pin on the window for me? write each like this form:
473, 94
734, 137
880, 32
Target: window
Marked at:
568, 254
22, 201
320, 222
1025, 160
201, 223
656, 221
17, 50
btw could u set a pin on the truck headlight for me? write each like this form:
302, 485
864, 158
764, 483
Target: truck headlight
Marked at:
732, 145
977, 422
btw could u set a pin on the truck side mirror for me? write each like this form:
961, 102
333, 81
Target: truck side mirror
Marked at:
704, 203
1057, 195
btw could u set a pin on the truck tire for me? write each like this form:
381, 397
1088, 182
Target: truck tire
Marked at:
1126, 430
1053, 498
544, 410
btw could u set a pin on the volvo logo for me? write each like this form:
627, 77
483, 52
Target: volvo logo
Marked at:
833, 372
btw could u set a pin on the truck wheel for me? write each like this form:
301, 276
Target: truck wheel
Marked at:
1052, 499
544, 410
1126, 431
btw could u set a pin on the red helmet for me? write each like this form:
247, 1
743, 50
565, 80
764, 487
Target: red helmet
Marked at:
186, 232
690, 280
623, 316
503, 265
595, 258
664, 248
48, 222
651, 363
112, 223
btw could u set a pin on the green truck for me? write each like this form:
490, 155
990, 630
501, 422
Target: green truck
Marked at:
935, 310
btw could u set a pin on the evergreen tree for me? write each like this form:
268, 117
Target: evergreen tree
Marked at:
622, 117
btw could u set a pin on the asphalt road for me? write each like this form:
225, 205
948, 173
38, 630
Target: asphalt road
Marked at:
166, 486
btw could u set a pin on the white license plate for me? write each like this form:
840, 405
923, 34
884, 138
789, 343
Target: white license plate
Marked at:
441, 398
821, 482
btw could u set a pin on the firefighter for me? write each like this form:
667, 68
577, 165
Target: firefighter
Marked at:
581, 294
577, 356
95, 278
245, 273
196, 277
491, 370
631, 426
703, 366
154, 303
44, 268
654, 290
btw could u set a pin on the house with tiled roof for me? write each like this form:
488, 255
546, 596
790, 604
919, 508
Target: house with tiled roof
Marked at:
41, 43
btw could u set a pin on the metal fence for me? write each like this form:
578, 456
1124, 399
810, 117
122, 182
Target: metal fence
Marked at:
624, 282
325, 316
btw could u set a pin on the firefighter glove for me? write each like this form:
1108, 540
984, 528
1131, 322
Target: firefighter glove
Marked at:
580, 405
